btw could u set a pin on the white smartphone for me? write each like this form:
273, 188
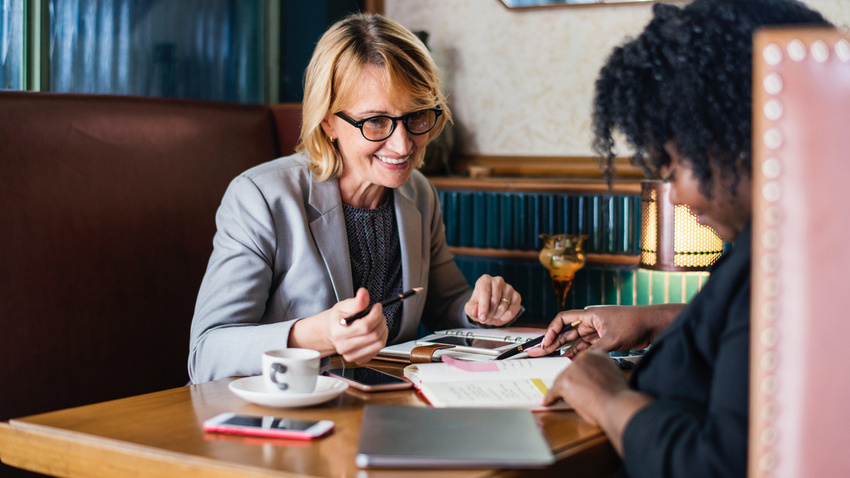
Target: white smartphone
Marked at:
369, 379
268, 426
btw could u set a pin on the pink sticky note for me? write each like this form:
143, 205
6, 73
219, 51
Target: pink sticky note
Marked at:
470, 366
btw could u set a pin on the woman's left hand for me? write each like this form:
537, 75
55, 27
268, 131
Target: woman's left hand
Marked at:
587, 384
494, 302
598, 391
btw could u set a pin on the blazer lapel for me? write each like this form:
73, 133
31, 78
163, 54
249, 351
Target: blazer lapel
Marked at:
329, 235
409, 220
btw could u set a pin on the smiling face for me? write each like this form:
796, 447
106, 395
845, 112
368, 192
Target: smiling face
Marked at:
724, 212
370, 168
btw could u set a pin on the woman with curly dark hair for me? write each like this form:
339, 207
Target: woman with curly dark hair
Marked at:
680, 93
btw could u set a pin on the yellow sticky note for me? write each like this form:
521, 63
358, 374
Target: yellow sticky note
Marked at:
540, 385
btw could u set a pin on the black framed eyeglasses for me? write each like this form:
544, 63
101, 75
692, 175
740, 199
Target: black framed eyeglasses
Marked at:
379, 128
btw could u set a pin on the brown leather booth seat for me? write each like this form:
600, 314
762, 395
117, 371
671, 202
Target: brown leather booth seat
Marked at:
107, 221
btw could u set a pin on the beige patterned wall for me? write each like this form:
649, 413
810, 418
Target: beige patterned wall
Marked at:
521, 81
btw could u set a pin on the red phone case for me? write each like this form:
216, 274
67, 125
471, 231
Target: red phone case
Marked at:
262, 432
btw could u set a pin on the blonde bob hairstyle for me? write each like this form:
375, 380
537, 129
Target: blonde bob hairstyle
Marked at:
350, 45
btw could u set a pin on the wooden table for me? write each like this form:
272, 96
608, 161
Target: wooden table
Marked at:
159, 435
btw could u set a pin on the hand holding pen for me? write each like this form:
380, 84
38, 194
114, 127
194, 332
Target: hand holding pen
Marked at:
532, 343
608, 327
384, 303
356, 343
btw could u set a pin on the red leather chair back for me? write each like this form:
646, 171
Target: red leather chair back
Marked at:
801, 229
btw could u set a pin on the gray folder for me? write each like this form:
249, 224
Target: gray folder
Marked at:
423, 437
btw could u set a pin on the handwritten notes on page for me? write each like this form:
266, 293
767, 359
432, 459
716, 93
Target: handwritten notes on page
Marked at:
518, 383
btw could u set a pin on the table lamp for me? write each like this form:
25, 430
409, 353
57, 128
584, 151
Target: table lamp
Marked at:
671, 238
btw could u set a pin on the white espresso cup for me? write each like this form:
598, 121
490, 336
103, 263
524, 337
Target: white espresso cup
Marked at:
291, 370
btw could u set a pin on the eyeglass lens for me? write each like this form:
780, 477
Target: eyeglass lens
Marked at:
381, 127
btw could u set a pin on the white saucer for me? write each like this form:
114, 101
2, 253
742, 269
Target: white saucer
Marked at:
254, 390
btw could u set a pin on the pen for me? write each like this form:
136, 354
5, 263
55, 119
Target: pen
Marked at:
384, 303
532, 343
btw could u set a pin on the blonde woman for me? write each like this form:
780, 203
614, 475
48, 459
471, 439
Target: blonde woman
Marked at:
309, 239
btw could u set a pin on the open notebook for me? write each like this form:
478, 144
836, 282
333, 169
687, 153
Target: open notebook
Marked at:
520, 383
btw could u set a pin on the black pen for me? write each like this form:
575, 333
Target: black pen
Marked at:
532, 343
384, 303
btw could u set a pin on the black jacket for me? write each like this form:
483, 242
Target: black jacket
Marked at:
698, 372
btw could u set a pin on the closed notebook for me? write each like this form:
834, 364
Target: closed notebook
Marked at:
394, 436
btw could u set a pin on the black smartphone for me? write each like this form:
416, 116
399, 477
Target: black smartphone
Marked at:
369, 379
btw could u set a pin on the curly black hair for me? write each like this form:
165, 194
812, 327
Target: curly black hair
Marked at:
688, 78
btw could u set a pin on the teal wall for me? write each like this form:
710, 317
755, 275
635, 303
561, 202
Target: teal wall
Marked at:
514, 220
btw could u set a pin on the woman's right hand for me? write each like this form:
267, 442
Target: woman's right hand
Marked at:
607, 328
360, 341
326, 332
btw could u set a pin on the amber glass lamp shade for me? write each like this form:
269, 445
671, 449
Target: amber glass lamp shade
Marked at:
671, 237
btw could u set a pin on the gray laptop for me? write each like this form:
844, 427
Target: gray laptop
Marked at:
424, 437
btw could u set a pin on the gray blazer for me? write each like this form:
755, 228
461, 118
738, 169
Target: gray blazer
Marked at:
281, 254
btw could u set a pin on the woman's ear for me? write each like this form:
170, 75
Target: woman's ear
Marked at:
328, 128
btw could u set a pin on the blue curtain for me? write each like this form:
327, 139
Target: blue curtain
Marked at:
199, 49
11, 43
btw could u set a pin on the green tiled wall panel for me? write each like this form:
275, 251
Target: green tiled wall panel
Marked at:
626, 287
642, 287
675, 290
611, 288
659, 288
